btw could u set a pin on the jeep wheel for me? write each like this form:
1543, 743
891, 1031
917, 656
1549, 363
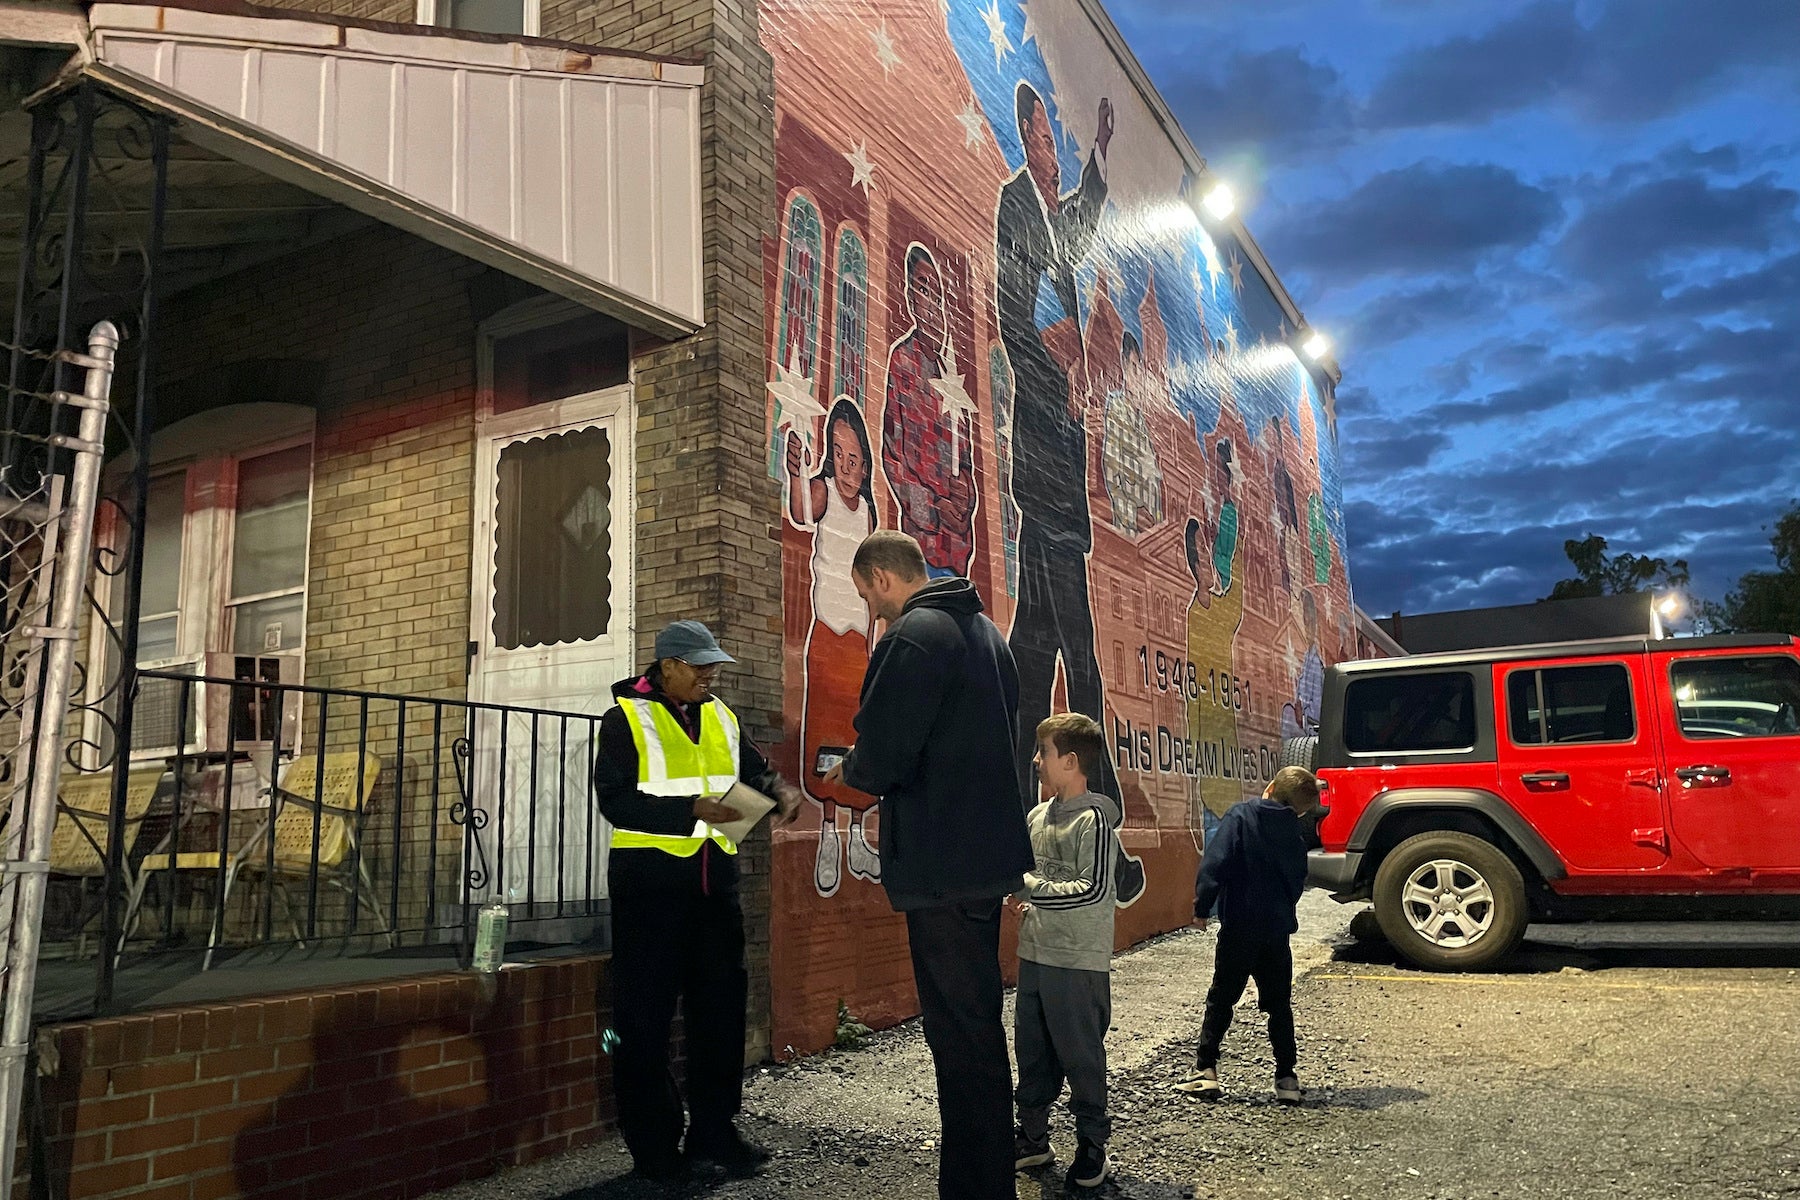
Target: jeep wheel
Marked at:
1300, 751
1450, 901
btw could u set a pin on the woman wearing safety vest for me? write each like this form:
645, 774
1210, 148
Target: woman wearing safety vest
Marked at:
667, 751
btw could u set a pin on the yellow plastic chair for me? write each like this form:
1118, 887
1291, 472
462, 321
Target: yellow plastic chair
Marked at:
342, 793
83, 832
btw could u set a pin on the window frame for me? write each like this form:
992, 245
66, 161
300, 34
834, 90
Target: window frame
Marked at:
224, 625
533, 17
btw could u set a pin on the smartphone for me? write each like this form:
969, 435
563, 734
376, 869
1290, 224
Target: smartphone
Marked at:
829, 757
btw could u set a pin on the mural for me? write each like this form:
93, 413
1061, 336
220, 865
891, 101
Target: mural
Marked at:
1089, 405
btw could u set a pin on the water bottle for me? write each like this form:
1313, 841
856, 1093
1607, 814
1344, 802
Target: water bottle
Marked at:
490, 938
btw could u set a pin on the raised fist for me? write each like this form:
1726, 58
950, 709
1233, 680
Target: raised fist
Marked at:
1104, 136
796, 462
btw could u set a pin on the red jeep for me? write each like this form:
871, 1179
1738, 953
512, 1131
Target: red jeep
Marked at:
1628, 779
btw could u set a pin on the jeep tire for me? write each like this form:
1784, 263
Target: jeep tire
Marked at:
1300, 751
1450, 901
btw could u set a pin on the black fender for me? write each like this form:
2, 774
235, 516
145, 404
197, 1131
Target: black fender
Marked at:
1477, 800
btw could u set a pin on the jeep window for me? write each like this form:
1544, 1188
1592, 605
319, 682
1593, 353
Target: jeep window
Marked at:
1560, 705
1737, 697
1410, 714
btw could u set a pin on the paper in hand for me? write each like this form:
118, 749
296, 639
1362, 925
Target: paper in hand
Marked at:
751, 805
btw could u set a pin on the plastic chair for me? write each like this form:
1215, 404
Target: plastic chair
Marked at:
342, 794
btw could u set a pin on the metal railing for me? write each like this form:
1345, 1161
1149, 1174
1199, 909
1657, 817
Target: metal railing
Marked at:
332, 821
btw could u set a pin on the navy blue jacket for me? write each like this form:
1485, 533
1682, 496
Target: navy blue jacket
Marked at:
1255, 869
934, 740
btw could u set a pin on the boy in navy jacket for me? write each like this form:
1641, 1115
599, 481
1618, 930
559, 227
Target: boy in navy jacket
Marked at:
1254, 869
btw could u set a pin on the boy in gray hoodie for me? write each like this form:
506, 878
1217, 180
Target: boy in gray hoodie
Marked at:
1065, 950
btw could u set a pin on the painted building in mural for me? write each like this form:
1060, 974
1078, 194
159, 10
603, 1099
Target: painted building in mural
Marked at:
996, 322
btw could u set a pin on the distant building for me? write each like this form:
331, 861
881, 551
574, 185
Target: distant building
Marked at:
1521, 624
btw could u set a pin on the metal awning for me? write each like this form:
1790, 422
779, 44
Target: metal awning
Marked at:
577, 171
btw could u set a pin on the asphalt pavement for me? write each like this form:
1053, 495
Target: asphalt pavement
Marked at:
1632, 1065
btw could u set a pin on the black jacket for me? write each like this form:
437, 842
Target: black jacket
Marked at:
935, 741
1049, 440
616, 789
1255, 868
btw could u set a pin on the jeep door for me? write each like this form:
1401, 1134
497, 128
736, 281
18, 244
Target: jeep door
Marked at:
1733, 737
1578, 759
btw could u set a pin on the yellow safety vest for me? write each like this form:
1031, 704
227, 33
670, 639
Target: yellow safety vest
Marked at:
670, 763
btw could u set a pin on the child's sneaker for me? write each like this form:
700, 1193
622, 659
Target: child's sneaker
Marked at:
1027, 1153
1287, 1089
1091, 1168
1203, 1083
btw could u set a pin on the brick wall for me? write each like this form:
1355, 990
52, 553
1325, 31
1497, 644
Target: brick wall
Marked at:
708, 518
708, 534
383, 1090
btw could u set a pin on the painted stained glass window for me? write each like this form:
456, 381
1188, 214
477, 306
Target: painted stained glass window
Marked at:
797, 336
851, 360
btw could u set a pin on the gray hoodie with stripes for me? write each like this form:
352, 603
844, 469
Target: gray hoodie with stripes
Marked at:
1072, 890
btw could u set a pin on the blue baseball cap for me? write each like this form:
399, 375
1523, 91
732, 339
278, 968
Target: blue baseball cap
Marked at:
691, 642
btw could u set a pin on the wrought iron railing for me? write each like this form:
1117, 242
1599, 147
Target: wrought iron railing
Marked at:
329, 820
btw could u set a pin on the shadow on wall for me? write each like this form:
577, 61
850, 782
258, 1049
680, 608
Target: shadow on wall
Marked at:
389, 1100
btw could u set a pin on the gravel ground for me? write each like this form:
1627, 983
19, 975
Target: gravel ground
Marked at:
1631, 1071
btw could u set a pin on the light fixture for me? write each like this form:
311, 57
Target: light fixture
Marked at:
1669, 606
1221, 202
1317, 346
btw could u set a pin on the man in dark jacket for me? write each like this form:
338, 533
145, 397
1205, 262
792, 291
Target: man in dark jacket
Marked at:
935, 736
667, 750
1254, 870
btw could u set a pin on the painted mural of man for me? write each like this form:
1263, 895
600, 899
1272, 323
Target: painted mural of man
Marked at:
1041, 236
1214, 615
928, 427
1300, 716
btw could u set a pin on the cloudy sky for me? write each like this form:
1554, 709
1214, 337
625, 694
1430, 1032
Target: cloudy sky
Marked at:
1557, 246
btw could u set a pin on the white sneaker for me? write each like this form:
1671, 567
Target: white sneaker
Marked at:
865, 860
827, 874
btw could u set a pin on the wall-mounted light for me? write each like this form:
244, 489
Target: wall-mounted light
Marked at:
1317, 346
1221, 201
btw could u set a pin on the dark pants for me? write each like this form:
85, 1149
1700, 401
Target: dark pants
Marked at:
1237, 961
1059, 1032
670, 944
1054, 616
956, 963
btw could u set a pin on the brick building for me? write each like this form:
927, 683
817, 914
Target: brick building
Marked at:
493, 334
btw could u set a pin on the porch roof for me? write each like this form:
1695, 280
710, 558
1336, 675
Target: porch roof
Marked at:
575, 169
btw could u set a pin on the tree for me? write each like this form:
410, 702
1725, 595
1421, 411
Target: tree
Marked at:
1598, 573
1768, 601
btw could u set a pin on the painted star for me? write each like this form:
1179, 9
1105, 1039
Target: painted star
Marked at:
884, 48
1231, 336
796, 399
1030, 34
1210, 252
996, 25
862, 171
973, 123
955, 405
1237, 273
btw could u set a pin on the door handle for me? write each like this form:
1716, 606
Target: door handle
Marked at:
1703, 776
1545, 779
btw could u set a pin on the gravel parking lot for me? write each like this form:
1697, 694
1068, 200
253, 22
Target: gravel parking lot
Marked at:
1634, 1066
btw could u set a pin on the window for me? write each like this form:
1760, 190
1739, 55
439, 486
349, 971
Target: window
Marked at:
159, 621
482, 16
851, 354
553, 541
1571, 704
267, 598
1410, 714
1737, 697
797, 328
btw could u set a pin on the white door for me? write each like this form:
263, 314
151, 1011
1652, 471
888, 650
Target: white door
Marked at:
551, 632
